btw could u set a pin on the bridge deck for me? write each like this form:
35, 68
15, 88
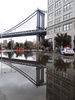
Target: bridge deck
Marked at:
24, 33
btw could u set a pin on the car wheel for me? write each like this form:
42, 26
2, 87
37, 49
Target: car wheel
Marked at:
64, 53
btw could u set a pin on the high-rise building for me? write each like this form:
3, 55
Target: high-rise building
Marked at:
5, 43
61, 19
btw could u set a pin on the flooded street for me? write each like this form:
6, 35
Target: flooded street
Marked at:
40, 77
14, 86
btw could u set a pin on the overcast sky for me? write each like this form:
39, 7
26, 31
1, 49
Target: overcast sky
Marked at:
14, 11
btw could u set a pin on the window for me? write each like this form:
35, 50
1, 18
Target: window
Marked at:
50, 16
68, 6
58, 3
68, 16
58, 20
58, 12
50, 31
50, 8
50, 1
68, 26
50, 23
57, 29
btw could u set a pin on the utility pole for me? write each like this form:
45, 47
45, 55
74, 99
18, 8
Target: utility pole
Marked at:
1, 49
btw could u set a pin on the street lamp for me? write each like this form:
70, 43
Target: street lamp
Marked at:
1, 49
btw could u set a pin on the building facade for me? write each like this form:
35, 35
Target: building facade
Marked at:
61, 19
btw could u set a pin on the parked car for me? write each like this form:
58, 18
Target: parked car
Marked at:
67, 51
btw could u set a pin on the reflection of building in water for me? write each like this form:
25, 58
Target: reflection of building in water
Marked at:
60, 84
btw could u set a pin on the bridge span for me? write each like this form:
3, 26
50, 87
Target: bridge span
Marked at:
24, 33
39, 31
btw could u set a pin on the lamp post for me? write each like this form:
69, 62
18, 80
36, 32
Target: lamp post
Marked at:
1, 49
1, 38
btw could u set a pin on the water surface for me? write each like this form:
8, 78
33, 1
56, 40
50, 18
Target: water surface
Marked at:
55, 80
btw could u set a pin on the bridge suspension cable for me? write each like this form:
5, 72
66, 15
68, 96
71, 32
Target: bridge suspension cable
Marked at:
24, 21
21, 23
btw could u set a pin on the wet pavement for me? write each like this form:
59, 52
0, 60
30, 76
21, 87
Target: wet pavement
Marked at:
14, 86
56, 81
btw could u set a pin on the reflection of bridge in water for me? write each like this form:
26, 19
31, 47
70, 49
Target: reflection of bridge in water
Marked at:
30, 69
24, 62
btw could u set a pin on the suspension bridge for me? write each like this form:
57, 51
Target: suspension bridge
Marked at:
20, 29
37, 77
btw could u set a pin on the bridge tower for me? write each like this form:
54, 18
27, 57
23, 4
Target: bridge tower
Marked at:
40, 24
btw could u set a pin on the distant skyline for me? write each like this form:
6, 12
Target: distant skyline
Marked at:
14, 11
21, 39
